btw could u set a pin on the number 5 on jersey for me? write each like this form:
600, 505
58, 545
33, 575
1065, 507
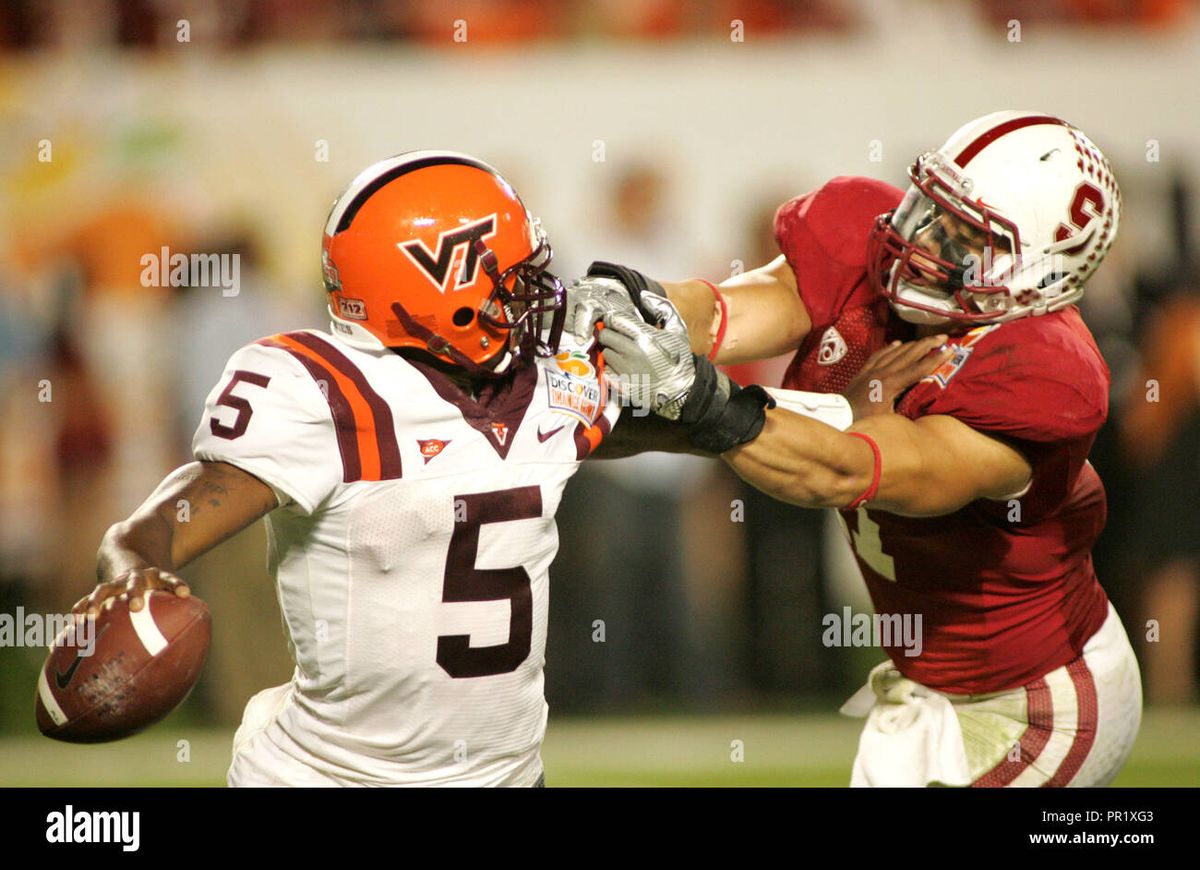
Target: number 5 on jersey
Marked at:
239, 404
465, 582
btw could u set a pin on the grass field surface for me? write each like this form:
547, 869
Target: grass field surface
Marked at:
776, 750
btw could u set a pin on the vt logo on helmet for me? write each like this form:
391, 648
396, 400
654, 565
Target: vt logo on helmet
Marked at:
434, 250
451, 243
1009, 218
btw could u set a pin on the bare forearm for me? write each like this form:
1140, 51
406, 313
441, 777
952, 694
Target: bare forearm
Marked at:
935, 465
193, 510
694, 301
138, 542
804, 462
807, 463
763, 314
145, 539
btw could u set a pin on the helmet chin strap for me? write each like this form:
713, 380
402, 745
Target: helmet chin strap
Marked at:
439, 345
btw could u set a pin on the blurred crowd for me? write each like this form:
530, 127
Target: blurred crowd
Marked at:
34, 24
676, 585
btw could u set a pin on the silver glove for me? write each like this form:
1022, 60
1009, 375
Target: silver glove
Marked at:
591, 300
649, 367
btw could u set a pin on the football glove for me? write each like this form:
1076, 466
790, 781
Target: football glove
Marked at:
592, 300
648, 295
656, 369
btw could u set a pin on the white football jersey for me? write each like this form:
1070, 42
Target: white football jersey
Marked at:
411, 552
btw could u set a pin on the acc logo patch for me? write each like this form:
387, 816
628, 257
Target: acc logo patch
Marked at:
574, 388
963, 348
833, 348
431, 447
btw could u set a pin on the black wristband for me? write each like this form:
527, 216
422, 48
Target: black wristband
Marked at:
633, 281
720, 414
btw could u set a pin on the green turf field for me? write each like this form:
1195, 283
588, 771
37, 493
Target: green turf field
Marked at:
778, 750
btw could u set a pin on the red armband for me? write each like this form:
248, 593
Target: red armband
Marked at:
876, 473
723, 313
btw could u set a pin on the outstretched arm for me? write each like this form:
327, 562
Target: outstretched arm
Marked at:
926, 467
888, 373
764, 316
930, 466
194, 509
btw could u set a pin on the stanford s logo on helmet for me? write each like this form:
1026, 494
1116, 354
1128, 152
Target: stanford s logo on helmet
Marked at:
1009, 218
434, 250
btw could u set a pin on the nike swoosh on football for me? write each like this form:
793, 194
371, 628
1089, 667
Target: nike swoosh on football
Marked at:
63, 679
547, 435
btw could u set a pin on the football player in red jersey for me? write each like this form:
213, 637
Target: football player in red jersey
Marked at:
971, 503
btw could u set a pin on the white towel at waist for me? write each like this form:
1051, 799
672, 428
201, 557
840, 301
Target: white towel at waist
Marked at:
911, 738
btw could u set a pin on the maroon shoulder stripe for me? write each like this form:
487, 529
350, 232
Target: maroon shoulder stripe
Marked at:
344, 424
385, 425
969, 153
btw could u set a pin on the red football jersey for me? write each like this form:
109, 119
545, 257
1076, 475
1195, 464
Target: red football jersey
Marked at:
1006, 589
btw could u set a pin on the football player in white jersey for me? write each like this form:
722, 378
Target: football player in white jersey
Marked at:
409, 465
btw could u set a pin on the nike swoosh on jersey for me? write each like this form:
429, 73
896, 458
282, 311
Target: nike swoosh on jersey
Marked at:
545, 436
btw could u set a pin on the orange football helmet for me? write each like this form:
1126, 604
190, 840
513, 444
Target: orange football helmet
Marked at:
434, 250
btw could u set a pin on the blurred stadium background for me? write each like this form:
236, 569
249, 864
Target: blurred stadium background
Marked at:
661, 133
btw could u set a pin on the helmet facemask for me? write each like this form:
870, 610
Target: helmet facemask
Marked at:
943, 255
527, 301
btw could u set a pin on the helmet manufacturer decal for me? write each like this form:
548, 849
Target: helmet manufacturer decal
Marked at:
352, 309
833, 348
455, 248
573, 387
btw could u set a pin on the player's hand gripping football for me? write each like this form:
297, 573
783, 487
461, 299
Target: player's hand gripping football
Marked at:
891, 371
131, 586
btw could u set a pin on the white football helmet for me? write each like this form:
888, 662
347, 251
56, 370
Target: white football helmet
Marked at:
1032, 207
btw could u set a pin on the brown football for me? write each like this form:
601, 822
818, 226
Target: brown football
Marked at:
141, 666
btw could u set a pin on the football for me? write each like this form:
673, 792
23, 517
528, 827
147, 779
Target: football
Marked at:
125, 672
